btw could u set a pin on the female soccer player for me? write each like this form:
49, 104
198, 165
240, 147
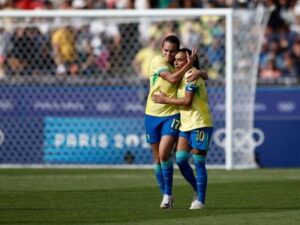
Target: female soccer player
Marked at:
162, 121
195, 129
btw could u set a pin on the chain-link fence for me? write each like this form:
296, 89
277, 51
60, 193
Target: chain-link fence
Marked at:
73, 88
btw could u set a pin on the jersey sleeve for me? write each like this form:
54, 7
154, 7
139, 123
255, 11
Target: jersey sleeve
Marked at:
192, 86
157, 66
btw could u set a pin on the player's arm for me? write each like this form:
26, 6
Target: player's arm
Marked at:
176, 76
196, 74
162, 98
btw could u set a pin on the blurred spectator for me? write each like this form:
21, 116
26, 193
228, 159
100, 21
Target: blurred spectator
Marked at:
28, 52
208, 25
4, 38
8, 4
63, 45
106, 43
214, 4
143, 58
84, 50
190, 32
272, 52
192, 4
105, 56
65, 5
286, 37
295, 54
162, 4
48, 5
118, 4
88, 63
29, 4
98, 4
86, 4
140, 4
42, 61
78, 4
296, 15
16, 61
289, 69
101, 46
38, 54
89, 4
216, 55
270, 71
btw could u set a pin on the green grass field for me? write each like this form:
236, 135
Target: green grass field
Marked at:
115, 196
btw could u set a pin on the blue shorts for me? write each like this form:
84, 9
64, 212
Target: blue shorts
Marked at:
199, 138
156, 127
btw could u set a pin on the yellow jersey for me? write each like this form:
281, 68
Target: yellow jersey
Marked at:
65, 39
197, 115
158, 65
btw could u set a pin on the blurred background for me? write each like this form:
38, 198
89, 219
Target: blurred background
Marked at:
73, 90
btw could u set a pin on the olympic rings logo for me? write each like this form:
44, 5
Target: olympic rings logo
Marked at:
286, 107
2, 137
242, 139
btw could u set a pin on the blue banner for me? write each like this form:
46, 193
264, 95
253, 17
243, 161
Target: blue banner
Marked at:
281, 144
84, 124
278, 116
277, 102
123, 101
21, 140
95, 140
71, 101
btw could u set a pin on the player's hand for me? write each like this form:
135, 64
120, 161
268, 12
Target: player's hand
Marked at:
159, 97
196, 74
191, 58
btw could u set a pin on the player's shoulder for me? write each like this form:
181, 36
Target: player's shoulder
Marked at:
189, 72
159, 62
